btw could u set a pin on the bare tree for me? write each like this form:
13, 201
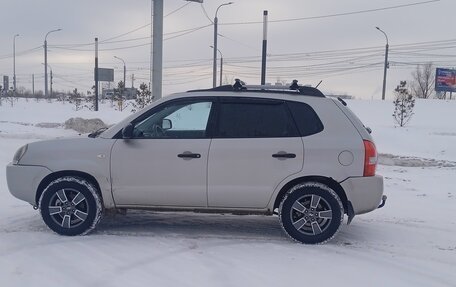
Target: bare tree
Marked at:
423, 81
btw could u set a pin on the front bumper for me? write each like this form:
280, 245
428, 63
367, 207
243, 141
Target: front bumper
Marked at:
364, 193
23, 180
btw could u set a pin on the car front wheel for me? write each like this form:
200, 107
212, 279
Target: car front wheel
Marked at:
311, 213
71, 206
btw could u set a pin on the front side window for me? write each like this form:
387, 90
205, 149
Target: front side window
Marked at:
178, 120
255, 119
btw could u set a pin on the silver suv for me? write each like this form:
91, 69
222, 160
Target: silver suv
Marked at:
238, 149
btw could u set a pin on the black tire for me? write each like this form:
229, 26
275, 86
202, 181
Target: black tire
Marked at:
311, 213
71, 206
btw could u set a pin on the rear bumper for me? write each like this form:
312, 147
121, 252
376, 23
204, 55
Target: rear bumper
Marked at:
364, 193
23, 180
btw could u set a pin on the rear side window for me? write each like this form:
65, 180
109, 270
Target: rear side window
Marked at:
255, 120
306, 118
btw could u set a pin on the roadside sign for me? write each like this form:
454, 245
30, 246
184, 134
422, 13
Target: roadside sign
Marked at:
105, 75
445, 80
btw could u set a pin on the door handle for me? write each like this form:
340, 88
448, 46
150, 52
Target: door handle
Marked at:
284, 155
188, 154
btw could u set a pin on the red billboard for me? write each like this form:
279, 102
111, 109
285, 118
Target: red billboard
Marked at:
445, 80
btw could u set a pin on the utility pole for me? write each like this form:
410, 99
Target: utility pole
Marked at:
151, 47
214, 60
14, 64
45, 62
50, 96
132, 81
51, 84
124, 70
33, 85
221, 70
221, 64
265, 44
156, 53
96, 74
157, 49
124, 75
386, 65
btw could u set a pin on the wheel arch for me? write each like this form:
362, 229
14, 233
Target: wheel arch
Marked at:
331, 183
53, 176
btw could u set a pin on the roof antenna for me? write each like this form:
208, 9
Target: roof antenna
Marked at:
318, 84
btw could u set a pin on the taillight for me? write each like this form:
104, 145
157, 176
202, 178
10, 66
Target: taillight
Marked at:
370, 158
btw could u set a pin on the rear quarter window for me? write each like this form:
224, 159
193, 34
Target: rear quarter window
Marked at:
306, 118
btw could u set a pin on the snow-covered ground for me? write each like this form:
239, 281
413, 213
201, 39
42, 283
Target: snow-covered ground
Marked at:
410, 242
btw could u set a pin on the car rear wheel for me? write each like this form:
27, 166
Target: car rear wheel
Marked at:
71, 206
311, 213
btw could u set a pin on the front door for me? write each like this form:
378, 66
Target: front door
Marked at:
165, 164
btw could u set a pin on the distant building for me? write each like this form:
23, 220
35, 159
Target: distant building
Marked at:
344, 97
129, 93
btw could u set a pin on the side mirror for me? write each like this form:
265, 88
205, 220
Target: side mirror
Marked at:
127, 131
167, 124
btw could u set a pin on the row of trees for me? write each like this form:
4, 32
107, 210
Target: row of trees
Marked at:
143, 97
86, 100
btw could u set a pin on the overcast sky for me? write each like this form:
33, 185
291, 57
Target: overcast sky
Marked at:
346, 52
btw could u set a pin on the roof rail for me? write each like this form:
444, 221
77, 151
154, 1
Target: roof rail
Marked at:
240, 86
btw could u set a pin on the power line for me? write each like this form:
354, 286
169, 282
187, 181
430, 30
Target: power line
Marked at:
180, 34
172, 12
238, 42
184, 32
141, 27
191, 31
205, 13
126, 33
22, 53
334, 15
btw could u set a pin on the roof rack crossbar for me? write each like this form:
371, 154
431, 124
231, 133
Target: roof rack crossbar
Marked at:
240, 86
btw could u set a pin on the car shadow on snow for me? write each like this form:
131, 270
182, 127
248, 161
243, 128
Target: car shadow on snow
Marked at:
185, 225
198, 225
192, 225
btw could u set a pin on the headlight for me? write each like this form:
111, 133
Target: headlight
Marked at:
19, 154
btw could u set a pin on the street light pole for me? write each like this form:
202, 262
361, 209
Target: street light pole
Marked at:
385, 68
124, 70
50, 68
14, 64
214, 62
221, 65
51, 82
45, 62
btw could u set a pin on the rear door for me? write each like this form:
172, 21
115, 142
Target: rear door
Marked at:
256, 145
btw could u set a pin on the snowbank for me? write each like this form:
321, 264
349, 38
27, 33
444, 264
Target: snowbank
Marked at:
84, 126
430, 134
